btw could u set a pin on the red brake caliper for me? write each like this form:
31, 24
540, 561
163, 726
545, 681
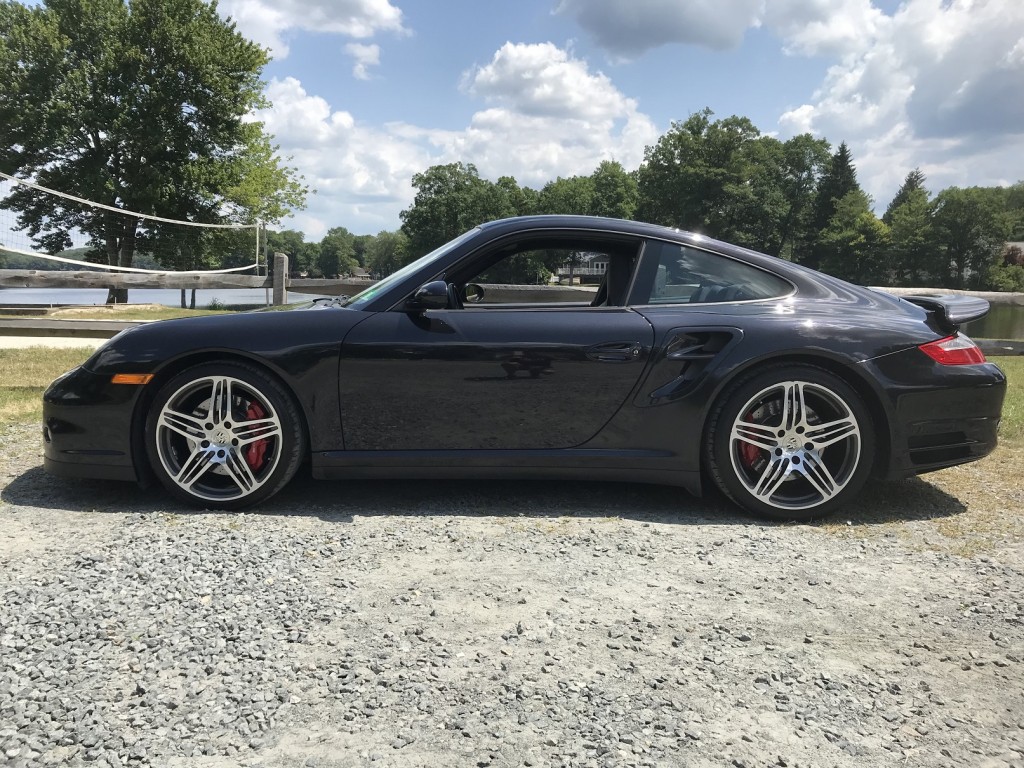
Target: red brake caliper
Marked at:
257, 450
749, 453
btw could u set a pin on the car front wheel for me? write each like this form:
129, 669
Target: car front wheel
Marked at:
224, 436
790, 443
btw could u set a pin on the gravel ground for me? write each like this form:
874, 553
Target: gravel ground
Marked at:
507, 624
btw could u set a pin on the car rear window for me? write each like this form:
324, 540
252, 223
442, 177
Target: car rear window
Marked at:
683, 274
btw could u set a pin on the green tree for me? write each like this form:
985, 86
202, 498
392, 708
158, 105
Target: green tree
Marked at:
806, 160
1015, 205
359, 244
519, 201
912, 184
615, 192
854, 244
690, 177
142, 106
725, 179
1009, 274
571, 196
451, 199
288, 241
754, 205
839, 180
302, 256
337, 253
971, 229
915, 260
386, 253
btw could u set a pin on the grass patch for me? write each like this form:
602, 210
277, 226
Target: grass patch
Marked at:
25, 373
127, 312
132, 312
1012, 427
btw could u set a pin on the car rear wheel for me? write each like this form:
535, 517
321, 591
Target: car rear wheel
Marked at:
224, 436
790, 443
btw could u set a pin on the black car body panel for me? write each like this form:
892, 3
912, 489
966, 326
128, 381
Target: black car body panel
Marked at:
570, 390
466, 362
951, 311
87, 426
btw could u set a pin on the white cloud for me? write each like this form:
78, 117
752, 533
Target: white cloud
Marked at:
365, 56
940, 85
808, 26
362, 174
543, 80
628, 29
545, 115
268, 22
549, 116
822, 27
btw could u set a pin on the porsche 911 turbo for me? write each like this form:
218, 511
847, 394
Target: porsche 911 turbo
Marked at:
690, 362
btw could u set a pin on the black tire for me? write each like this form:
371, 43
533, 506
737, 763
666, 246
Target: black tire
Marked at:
224, 436
790, 442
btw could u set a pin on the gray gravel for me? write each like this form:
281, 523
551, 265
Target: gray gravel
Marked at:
499, 624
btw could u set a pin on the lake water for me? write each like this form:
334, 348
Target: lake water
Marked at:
1004, 321
170, 297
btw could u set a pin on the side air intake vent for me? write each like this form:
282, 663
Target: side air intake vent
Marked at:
686, 358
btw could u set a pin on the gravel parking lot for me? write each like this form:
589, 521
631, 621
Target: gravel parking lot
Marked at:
508, 624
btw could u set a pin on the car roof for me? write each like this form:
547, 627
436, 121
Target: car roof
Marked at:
597, 223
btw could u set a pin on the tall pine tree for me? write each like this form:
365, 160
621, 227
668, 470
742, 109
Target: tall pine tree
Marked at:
840, 180
913, 183
914, 258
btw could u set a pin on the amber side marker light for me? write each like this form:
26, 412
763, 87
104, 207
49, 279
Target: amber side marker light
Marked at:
954, 350
131, 378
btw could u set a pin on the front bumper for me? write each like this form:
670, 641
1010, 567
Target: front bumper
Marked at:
87, 423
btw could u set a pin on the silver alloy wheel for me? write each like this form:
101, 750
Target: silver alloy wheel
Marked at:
795, 445
219, 438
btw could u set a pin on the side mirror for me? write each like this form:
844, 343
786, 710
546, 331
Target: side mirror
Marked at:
474, 293
433, 295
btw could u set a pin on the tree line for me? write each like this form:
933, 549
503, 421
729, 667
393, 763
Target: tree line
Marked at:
796, 199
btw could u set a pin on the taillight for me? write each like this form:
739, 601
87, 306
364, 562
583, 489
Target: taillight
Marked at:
954, 350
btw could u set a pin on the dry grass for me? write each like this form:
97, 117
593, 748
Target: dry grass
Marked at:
967, 510
1012, 428
130, 312
123, 312
25, 373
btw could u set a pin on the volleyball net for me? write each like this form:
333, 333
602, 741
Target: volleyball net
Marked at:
79, 234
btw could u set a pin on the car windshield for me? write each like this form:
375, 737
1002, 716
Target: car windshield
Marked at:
364, 297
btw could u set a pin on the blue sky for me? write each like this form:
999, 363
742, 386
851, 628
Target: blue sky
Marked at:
367, 93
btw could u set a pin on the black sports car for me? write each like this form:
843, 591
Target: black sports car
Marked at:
689, 361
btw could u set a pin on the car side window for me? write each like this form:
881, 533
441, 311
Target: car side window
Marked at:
557, 271
683, 274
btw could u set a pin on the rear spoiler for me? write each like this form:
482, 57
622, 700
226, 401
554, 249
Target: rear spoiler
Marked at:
952, 311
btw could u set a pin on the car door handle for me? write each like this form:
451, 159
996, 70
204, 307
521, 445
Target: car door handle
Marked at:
615, 352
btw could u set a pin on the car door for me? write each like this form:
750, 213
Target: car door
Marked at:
536, 378
533, 375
